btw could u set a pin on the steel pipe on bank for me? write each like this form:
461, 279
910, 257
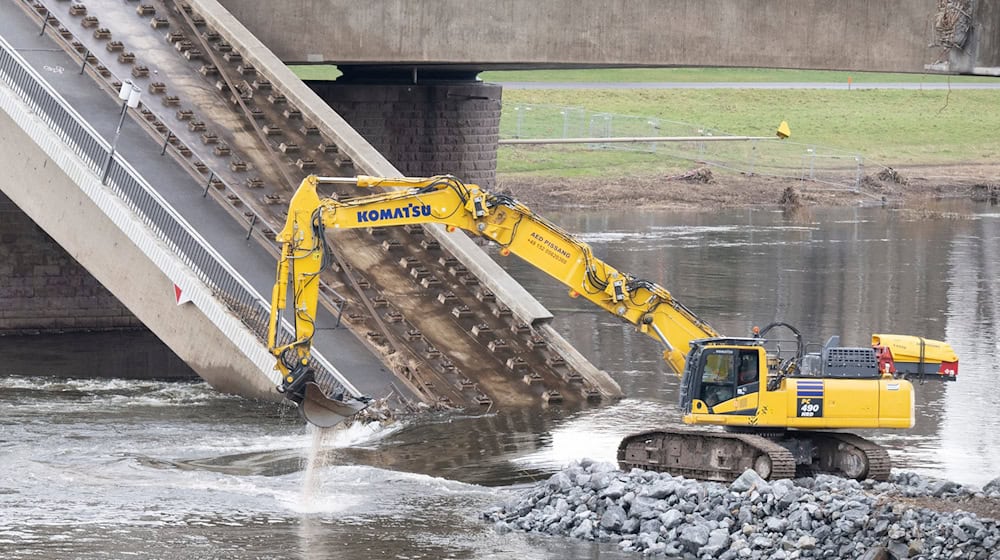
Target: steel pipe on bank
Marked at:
633, 139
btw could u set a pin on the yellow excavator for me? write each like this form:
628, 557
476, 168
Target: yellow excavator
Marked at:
777, 407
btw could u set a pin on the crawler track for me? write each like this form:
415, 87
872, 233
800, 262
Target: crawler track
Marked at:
705, 455
723, 456
851, 456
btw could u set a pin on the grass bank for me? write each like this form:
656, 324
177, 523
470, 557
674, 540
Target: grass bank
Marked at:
893, 127
889, 127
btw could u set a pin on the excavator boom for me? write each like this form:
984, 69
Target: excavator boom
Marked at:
445, 200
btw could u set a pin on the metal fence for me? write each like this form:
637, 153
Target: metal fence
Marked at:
765, 156
154, 212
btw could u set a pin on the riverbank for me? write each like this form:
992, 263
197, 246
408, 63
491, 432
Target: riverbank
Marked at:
705, 188
819, 517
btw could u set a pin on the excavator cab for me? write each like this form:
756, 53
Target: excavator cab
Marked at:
722, 376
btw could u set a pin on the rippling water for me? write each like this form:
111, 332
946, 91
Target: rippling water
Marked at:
111, 469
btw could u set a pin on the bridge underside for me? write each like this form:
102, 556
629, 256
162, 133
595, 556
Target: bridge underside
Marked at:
892, 35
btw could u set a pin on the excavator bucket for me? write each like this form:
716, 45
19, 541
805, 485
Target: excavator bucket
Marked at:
324, 412
314, 404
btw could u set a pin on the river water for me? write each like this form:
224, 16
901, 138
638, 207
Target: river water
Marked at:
115, 469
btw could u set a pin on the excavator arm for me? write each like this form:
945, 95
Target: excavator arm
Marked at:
446, 200
303, 258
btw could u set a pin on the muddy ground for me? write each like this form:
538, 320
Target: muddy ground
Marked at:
702, 188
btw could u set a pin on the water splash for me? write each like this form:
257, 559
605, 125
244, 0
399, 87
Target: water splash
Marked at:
314, 461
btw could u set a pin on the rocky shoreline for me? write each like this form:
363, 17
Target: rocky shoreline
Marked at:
819, 517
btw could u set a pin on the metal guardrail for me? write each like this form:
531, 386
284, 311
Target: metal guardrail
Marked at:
171, 228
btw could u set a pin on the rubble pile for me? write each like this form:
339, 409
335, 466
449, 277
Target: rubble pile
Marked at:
817, 517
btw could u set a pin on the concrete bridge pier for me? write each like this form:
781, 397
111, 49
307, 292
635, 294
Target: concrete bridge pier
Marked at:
48, 302
426, 122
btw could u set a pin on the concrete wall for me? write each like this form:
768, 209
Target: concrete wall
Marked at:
425, 129
986, 35
825, 34
133, 354
42, 289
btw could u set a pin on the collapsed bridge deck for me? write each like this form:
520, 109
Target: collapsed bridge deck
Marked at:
431, 307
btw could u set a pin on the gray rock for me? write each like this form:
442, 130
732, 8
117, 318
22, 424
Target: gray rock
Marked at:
616, 489
959, 534
644, 507
821, 532
781, 488
847, 550
583, 531
614, 517
944, 487
821, 517
646, 540
671, 518
559, 482
876, 553
660, 489
898, 550
657, 547
710, 551
745, 515
720, 538
718, 514
806, 542
600, 481
859, 515
800, 519
992, 486
776, 524
650, 526
693, 537
971, 524
746, 481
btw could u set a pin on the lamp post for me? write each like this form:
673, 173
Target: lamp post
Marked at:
129, 94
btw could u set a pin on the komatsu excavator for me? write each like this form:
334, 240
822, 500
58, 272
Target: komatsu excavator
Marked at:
777, 409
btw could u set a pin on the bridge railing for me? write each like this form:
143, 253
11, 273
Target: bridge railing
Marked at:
769, 157
226, 284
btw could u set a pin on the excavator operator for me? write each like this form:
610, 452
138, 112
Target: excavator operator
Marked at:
717, 379
747, 372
